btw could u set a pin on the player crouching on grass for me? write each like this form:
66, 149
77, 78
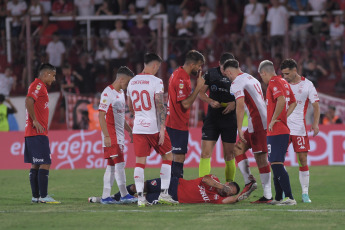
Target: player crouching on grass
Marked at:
112, 121
205, 189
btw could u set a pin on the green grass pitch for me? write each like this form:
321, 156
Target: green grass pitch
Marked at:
73, 187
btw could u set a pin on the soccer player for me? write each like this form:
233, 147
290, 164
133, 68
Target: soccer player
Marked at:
37, 151
220, 119
206, 189
180, 101
146, 101
280, 104
304, 91
112, 121
248, 93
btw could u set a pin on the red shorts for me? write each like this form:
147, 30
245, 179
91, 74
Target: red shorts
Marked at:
257, 141
112, 151
300, 143
144, 142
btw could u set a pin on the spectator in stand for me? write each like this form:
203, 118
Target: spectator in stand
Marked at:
254, 16
314, 72
317, 5
249, 67
35, 10
154, 8
45, 32
299, 23
118, 42
16, 9
206, 24
47, 6
329, 117
63, 8
142, 41
130, 11
85, 8
334, 46
277, 26
102, 57
184, 27
56, 51
4, 112
93, 113
140, 5
103, 27
8, 81
174, 9
86, 72
3, 14
75, 51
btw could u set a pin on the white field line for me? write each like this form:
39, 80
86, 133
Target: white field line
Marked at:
167, 211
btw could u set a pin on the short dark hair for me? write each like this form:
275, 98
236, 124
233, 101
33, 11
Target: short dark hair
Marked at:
2, 98
194, 56
237, 187
46, 66
126, 71
288, 63
66, 66
226, 56
150, 57
231, 63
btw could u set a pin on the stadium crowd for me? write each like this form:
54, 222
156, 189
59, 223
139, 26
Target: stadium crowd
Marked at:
252, 30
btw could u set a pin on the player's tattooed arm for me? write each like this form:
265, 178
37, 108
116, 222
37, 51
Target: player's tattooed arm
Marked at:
159, 101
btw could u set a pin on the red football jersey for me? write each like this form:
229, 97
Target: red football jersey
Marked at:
38, 91
179, 89
277, 86
196, 191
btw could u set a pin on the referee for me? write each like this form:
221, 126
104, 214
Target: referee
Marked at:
220, 120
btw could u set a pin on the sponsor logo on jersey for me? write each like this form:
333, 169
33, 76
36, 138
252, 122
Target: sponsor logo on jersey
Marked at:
287, 92
275, 88
286, 86
216, 197
36, 91
214, 88
238, 93
203, 193
106, 95
144, 123
46, 105
154, 183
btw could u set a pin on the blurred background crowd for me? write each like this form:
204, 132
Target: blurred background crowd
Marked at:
309, 31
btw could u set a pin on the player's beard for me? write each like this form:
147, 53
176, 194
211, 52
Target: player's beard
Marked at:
194, 72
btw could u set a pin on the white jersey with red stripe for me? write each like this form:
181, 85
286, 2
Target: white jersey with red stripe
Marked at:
304, 92
142, 89
114, 104
249, 87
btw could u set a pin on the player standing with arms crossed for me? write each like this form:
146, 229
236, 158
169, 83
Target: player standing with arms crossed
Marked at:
248, 93
220, 120
112, 121
280, 104
180, 101
146, 100
37, 150
304, 92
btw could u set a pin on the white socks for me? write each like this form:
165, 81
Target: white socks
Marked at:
108, 181
139, 178
165, 174
120, 176
304, 180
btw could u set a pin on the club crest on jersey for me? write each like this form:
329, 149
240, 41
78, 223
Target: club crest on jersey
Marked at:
181, 85
216, 197
104, 101
38, 87
154, 183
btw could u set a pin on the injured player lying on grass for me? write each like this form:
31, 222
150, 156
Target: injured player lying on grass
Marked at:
205, 189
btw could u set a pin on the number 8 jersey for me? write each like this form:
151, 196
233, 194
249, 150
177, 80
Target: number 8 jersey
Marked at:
141, 90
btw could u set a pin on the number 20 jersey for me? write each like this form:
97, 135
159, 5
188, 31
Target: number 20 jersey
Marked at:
141, 90
248, 87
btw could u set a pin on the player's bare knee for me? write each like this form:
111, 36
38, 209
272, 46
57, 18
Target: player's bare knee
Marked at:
168, 156
238, 150
261, 159
206, 154
303, 159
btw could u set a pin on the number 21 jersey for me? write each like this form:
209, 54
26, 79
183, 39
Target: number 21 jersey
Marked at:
141, 90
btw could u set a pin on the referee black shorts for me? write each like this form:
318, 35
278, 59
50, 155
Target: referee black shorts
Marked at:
214, 126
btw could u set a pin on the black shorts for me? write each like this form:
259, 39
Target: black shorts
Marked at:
154, 189
214, 126
37, 150
179, 140
277, 147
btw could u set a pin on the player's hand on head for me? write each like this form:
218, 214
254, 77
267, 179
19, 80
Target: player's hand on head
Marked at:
107, 141
38, 126
316, 129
